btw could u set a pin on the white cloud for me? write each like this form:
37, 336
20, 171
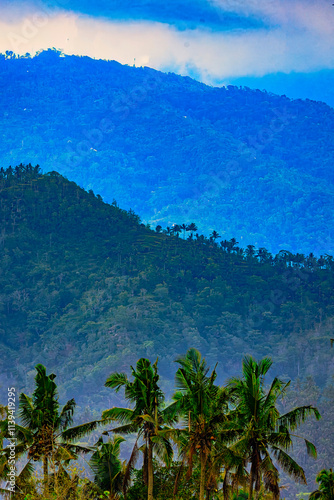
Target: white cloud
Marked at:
297, 41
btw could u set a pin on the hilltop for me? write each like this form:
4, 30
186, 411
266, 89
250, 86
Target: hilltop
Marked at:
249, 164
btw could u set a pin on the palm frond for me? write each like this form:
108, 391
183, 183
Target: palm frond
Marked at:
129, 467
78, 448
295, 417
289, 465
163, 449
125, 429
26, 472
26, 411
282, 438
66, 415
270, 477
171, 412
122, 415
310, 448
81, 430
116, 381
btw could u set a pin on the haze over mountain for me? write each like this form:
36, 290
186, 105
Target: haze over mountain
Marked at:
249, 164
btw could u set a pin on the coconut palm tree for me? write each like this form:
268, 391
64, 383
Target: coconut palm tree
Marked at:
261, 431
203, 406
325, 479
44, 433
149, 419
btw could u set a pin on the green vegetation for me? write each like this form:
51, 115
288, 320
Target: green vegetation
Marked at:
325, 479
227, 429
147, 419
262, 431
86, 289
44, 434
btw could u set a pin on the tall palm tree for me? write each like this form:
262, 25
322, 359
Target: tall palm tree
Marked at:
149, 419
261, 431
44, 433
183, 227
192, 227
203, 406
325, 478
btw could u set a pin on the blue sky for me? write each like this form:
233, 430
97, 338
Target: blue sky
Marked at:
282, 46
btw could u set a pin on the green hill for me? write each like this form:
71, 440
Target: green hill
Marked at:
85, 283
87, 289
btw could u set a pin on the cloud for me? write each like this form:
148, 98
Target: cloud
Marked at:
293, 41
313, 15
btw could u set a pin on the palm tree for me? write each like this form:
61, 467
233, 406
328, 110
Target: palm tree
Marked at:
250, 251
203, 405
107, 467
214, 235
232, 243
191, 227
325, 478
224, 244
148, 418
176, 229
44, 432
260, 430
183, 227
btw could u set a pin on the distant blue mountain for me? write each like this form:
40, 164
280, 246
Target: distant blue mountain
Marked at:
317, 86
248, 164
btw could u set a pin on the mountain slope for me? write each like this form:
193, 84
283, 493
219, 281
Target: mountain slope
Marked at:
246, 163
85, 284
87, 289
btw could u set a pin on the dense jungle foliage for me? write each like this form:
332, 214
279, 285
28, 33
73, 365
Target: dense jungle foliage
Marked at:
248, 164
86, 289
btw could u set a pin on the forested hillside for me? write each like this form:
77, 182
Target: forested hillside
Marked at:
249, 164
87, 289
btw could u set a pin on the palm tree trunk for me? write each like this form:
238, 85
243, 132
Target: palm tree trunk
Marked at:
45, 475
202, 477
254, 474
150, 471
225, 485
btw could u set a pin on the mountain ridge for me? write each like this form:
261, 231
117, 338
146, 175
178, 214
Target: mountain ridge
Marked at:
249, 164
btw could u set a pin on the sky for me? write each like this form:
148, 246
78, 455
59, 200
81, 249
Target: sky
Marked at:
283, 46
